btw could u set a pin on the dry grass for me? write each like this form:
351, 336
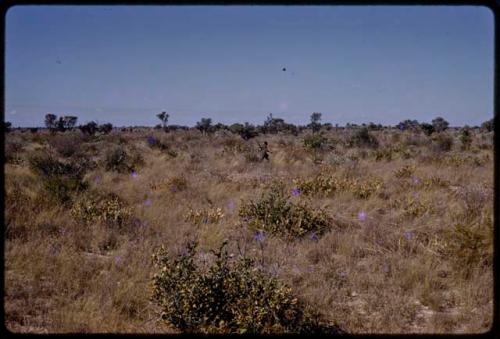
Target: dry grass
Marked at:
418, 260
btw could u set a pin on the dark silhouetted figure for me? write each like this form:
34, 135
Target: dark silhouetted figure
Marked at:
264, 151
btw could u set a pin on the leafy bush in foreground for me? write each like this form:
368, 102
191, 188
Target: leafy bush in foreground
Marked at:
228, 297
273, 213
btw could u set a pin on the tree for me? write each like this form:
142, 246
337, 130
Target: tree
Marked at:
488, 125
274, 125
69, 121
246, 131
106, 128
315, 122
50, 121
427, 128
163, 116
204, 125
89, 128
440, 124
408, 125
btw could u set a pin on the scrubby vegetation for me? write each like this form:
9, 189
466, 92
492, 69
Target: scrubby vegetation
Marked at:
362, 229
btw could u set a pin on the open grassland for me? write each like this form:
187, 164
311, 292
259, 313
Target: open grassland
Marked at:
394, 237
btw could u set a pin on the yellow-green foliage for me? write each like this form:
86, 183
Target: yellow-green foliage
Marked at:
229, 297
274, 213
107, 209
470, 244
204, 215
435, 182
405, 171
327, 184
384, 153
413, 206
454, 160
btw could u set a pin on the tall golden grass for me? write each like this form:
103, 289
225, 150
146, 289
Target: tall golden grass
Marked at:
414, 256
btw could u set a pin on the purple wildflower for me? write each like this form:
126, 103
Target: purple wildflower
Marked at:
416, 180
134, 174
408, 235
98, 179
362, 216
296, 192
173, 189
151, 141
259, 236
118, 260
313, 236
148, 202
231, 205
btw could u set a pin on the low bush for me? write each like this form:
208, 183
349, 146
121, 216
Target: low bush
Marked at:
60, 179
204, 215
442, 142
384, 153
363, 138
316, 142
327, 184
274, 213
230, 297
470, 245
66, 145
13, 150
107, 209
405, 171
162, 144
413, 207
117, 159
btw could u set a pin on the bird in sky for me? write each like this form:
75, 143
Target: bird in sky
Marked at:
284, 69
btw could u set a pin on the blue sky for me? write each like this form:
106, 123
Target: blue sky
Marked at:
125, 64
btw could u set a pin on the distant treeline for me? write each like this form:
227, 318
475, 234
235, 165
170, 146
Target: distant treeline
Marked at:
246, 130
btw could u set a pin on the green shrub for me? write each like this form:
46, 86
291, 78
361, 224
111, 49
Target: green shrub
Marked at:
316, 142
442, 142
13, 149
66, 145
275, 214
228, 297
60, 179
465, 138
362, 137
470, 245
